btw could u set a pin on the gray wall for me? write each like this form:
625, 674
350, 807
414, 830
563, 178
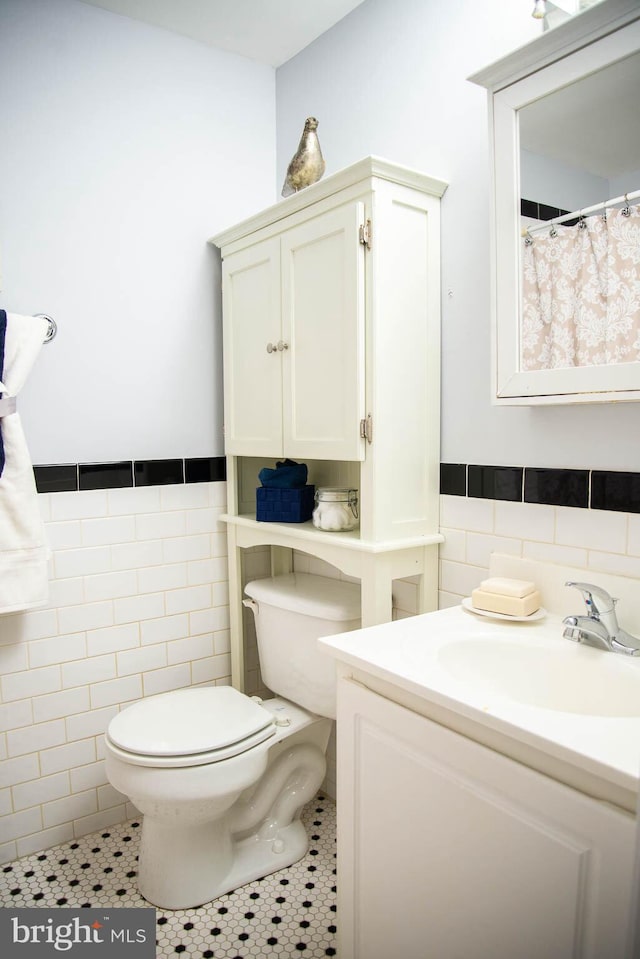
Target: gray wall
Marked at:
390, 79
124, 147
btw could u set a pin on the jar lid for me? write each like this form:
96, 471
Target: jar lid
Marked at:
336, 494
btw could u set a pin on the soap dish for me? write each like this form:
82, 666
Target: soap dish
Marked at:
532, 618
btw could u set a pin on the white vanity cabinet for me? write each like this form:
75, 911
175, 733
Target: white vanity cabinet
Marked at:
331, 332
448, 849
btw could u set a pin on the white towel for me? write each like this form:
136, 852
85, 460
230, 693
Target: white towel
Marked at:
23, 548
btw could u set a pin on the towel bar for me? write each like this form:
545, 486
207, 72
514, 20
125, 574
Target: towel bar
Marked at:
53, 327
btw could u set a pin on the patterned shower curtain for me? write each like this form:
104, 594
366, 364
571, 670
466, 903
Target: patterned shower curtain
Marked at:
581, 293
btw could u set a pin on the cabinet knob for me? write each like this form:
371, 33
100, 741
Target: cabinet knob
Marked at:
271, 348
282, 346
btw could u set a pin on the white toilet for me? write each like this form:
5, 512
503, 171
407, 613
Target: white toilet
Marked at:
221, 778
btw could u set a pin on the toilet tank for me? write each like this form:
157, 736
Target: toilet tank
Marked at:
291, 613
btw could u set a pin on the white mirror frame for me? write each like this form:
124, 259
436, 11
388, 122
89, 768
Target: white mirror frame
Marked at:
578, 48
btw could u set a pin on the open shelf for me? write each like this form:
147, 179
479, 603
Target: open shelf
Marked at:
306, 537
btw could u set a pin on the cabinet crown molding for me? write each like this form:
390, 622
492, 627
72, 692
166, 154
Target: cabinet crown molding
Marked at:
370, 167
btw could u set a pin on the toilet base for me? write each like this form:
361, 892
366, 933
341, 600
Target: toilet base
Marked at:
166, 885
183, 865
254, 863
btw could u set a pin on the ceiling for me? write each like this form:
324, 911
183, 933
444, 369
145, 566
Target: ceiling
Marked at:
269, 31
576, 125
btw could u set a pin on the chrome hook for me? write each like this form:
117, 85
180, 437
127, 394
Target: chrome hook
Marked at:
53, 326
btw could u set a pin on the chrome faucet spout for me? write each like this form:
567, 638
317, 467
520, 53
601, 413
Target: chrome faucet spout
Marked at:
624, 642
600, 626
584, 629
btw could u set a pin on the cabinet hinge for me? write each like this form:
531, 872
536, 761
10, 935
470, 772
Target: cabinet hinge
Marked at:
366, 428
366, 234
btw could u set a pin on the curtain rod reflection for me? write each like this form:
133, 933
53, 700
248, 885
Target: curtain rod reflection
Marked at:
578, 214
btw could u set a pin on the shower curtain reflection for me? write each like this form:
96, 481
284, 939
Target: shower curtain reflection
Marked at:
581, 293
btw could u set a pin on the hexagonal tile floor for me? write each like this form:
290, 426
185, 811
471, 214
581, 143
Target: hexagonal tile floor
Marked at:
289, 913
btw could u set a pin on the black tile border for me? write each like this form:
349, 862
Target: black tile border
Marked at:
582, 489
453, 479
205, 469
61, 478
495, 482
542, 211
105, 475
158, 472
71, 477
615, 491
556, 487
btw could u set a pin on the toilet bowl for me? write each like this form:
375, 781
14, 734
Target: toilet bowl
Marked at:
221, 778
218, 813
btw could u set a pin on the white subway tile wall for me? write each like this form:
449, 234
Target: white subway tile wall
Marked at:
474, 528
138, 605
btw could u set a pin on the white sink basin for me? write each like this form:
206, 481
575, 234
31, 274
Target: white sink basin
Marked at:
568, 710
562, 676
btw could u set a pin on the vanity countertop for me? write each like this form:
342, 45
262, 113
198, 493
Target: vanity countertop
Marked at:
566, 709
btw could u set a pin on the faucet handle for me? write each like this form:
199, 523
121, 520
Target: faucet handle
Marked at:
589, 591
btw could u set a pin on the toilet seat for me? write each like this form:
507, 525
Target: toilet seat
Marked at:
189, 727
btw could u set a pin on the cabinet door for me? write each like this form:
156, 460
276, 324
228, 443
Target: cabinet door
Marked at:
449, 850
252, 374
323, 327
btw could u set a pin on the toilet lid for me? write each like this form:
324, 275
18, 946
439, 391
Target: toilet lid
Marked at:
191, 721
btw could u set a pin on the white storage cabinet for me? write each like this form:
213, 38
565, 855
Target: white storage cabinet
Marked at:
331, 329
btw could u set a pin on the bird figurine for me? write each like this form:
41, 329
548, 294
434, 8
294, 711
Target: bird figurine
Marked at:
307, 165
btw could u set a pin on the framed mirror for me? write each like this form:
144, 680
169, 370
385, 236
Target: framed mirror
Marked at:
565, 138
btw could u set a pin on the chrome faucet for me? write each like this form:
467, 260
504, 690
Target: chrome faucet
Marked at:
600, 626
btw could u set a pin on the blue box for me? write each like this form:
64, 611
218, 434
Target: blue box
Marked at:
284, 505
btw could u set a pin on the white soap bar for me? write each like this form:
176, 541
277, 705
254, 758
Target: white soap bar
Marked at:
508, 587
508, 605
